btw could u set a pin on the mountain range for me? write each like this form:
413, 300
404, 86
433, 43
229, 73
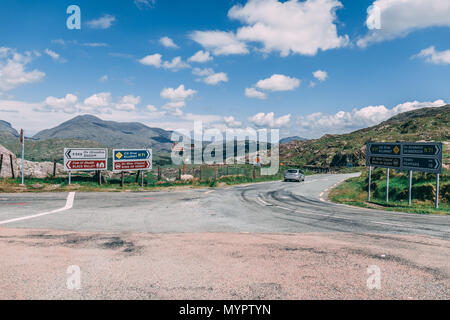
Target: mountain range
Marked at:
428, 124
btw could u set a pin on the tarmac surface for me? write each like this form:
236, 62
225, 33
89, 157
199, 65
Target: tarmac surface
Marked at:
260, 241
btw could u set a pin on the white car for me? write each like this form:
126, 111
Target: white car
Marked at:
294, 175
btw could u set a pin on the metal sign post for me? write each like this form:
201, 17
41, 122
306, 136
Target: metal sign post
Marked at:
437, 191
23, 154
387, 185
70, 177
370, 181
410, 187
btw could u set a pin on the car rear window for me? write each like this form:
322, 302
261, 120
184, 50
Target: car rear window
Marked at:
292, 171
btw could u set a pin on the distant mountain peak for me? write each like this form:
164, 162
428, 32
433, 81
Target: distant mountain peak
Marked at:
110, 133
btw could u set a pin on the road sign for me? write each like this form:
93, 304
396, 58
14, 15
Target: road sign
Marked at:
422, 149
431, 165
134, 155
132, 159
86, 165
422, 156
391, 149
385, 162
85, 159
85, 154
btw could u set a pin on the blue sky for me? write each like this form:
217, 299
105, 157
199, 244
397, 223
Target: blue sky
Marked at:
306, 67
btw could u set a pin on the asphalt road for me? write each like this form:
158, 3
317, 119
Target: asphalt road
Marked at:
276, 207
261, 241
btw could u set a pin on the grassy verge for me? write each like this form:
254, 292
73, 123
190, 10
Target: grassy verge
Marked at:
86, 183
354, 192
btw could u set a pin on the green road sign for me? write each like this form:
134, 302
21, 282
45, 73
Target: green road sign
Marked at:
418, 149
385, 162
406, 156
390, 149
421, 164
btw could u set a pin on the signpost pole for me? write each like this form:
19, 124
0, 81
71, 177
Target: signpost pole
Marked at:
121, 181
437, 191
410, 187
370, 182
22, 140
387, 185
142, 182
70, 177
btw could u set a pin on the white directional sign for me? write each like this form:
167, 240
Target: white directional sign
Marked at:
85, 159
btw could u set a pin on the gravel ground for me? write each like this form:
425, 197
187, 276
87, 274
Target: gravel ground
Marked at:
221, 265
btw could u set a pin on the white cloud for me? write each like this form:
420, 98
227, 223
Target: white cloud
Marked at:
269, 120
320, 75
144, 4
102, 99
210, 77
312, 84
128, 103
104, 22
278, 82
317, 124
201, 57
436, 57
231, 122
168, 43
175, 65
202, 72
154, 60
53, 104
12, 70
151, 108
52, 54
398, 18
178, 94
299, 27
253, 93
220, 42
104, 78
216, 78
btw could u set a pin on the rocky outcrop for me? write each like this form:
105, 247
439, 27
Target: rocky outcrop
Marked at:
32, 169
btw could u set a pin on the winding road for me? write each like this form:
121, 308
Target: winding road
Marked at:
257, 241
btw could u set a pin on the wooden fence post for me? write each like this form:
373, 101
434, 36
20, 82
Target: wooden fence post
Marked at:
122, 180
138, 174
54, 168
12, 166
159, 173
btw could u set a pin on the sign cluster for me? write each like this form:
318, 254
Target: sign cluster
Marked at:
405, 156
97, 159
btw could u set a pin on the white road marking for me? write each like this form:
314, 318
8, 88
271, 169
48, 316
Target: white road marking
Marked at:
208, 192
68, 206
263, 202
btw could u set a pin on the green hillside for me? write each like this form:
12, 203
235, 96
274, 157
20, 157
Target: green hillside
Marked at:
428, 124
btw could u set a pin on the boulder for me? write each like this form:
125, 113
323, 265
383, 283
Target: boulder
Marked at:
32, 169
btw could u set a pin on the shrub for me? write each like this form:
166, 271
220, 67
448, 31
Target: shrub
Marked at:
424, 192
